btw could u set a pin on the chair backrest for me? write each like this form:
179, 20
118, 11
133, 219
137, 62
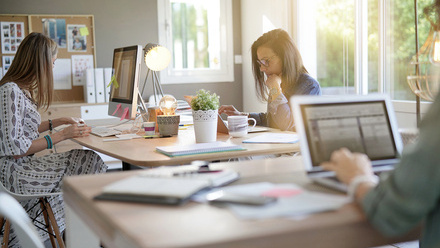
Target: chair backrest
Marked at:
17, 197
20, 221
23, 197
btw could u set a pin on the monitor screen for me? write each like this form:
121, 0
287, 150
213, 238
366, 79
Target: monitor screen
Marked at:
125, 81
360, 126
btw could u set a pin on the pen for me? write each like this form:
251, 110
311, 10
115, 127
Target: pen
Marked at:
183, 173
185, 125
117, 139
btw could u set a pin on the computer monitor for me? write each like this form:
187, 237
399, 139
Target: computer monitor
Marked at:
124, 90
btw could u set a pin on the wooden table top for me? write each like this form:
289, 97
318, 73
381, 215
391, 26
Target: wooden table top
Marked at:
124, 224
142, 152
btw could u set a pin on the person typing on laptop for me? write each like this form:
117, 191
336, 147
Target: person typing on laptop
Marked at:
409, 194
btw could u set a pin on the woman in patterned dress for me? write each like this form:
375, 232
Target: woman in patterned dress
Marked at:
26, 87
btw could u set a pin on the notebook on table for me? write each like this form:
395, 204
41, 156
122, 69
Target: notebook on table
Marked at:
166, 185
364, 124
199, 148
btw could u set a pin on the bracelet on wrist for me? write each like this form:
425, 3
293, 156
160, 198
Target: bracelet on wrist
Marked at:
50, 125
49, 141
354, 184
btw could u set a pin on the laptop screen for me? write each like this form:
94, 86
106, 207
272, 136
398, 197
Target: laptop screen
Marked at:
360, 126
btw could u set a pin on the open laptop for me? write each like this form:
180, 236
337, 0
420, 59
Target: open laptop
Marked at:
361, 123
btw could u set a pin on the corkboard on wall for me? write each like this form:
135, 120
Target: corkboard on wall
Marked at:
76, 94
39, 23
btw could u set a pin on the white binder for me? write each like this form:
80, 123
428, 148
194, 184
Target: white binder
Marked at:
89, 87
107, 78
99, 85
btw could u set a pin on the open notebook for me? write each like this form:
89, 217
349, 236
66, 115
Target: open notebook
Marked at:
364, 124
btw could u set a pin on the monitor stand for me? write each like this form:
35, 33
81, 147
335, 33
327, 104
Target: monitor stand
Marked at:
142, 108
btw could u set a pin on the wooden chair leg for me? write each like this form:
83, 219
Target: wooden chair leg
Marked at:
54, 224
6, 234
47, 221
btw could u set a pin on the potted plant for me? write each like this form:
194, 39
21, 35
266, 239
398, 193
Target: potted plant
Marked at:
205, 111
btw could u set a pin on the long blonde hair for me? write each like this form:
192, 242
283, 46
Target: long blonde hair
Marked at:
31, 68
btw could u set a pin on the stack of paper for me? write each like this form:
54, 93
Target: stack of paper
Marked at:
166, 185
274, 138
199, 148
293, 200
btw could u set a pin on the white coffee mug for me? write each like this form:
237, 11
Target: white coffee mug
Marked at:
238, 125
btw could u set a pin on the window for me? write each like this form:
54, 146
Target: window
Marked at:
400, 43
198, 34
360, 46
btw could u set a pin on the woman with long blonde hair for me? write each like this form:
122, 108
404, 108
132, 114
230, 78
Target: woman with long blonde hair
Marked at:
26, 87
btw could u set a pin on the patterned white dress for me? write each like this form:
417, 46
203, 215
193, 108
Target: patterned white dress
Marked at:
19, 122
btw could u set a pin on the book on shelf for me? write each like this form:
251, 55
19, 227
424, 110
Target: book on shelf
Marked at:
165, 185
199, 148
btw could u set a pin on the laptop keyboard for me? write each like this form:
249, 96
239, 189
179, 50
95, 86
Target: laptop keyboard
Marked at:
104, 131
333, 181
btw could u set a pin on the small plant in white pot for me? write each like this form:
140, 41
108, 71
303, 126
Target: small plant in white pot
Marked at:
205, 111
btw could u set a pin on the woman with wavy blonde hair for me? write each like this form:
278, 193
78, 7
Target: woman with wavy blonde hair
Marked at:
26, 87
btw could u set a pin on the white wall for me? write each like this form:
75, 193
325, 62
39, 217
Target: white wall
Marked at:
258, 17
129, 22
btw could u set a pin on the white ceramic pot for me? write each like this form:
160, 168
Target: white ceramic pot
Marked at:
205, 125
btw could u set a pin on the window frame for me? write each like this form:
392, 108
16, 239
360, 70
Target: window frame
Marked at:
361, 53
226, 72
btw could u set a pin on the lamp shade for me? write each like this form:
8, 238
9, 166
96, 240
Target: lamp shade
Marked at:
157, 57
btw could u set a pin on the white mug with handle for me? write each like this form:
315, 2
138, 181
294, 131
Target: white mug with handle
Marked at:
238, 125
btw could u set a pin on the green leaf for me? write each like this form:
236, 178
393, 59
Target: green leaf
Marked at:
204, 100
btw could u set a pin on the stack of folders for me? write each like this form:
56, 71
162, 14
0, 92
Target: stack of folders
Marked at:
198, 148
166, 185
96, 88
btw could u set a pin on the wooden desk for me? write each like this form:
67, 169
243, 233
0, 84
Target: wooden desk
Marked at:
120, 224
142, 152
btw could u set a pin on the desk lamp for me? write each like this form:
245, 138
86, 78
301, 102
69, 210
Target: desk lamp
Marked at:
156, 58
168, 123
